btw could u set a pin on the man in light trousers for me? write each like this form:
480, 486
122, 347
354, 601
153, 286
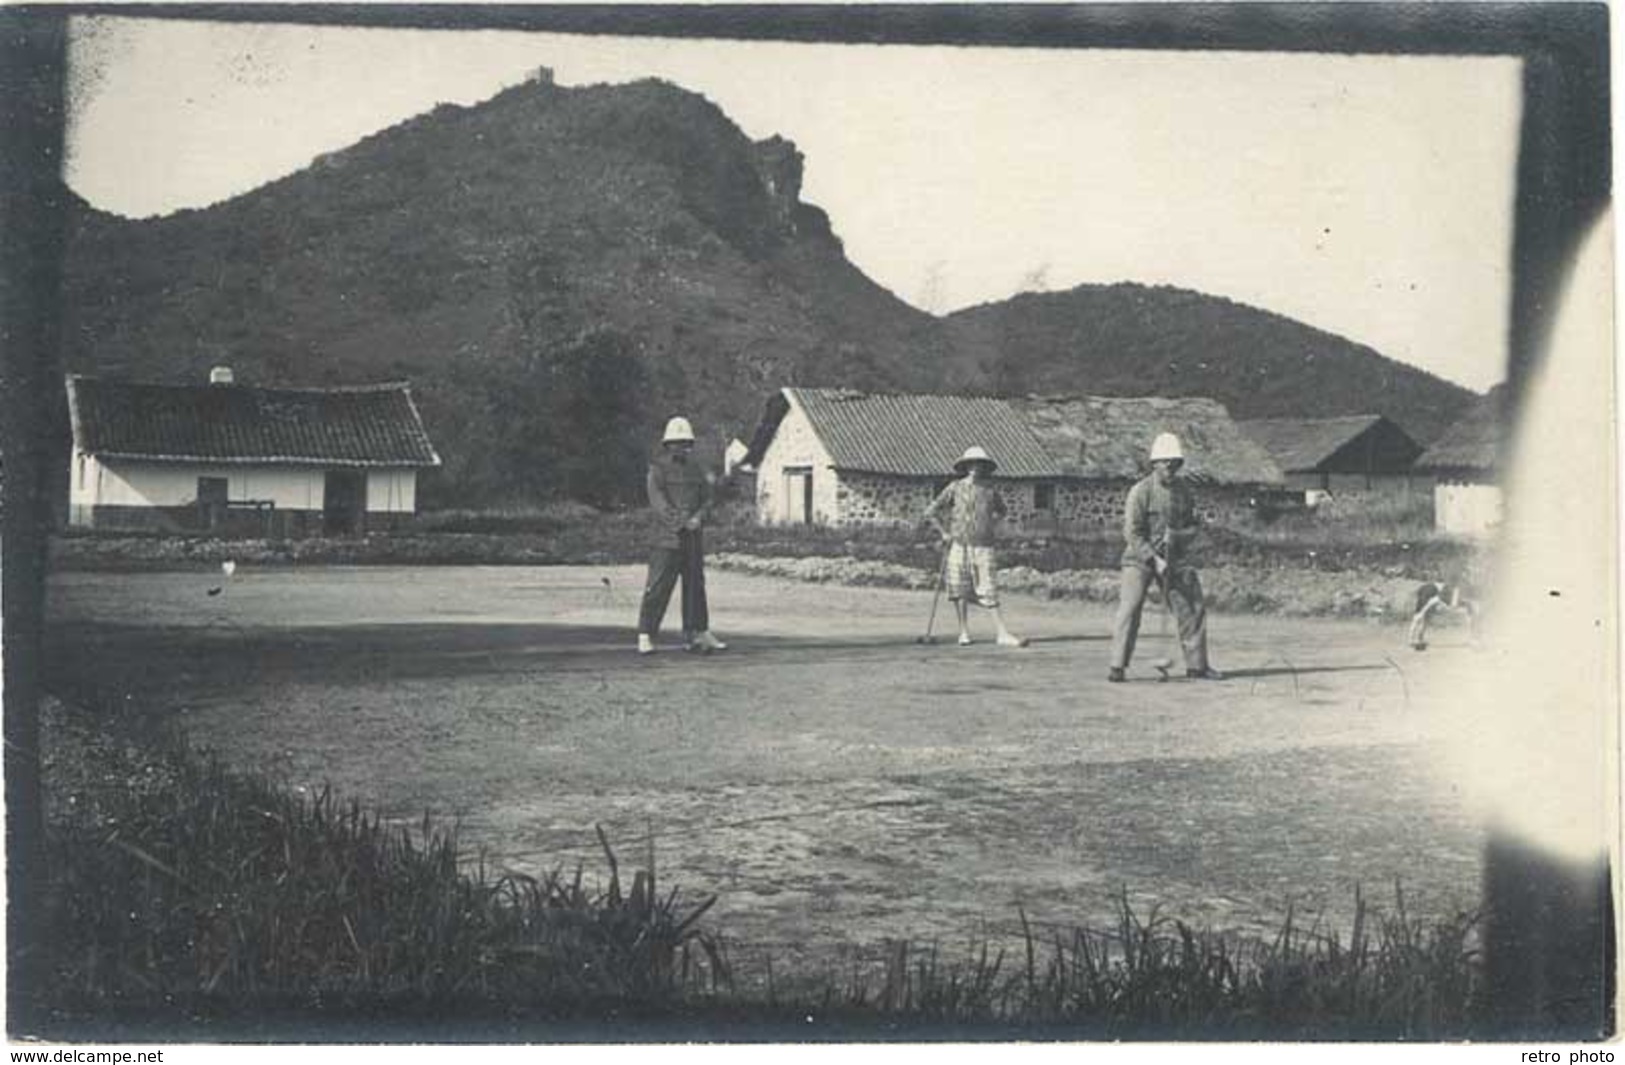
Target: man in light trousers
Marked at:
680, 495
1159, 525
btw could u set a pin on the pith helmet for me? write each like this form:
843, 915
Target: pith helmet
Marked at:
1166, 446
678, 430
975, 454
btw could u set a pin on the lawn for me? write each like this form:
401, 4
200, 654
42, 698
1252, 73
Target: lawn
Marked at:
835, 782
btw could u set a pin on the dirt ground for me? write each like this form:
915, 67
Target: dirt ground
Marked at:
836, 783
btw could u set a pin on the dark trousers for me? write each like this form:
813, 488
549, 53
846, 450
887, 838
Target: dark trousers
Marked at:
685, 559
1184, 593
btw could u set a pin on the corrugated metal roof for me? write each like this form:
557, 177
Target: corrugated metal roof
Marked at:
1301, 445
374, 425
1080, 437
920, 435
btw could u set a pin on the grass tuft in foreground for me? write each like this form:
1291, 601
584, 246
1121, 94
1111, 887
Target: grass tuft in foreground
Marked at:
1394, 978
193, 894
216, 892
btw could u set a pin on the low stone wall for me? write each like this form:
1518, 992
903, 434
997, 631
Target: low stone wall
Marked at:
1101, 506
1228, 589
870, 499
1228, 505
1090, 506
864, 499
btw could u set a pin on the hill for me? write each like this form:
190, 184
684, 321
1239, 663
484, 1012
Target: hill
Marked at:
558, 270
1129, 339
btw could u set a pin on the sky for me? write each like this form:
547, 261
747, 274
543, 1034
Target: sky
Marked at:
1369, 196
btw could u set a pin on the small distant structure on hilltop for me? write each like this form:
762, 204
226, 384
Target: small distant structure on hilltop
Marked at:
845, 458
1353, 456
235, 459
1465, 466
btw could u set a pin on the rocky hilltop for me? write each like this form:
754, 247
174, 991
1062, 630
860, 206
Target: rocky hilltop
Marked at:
557, 270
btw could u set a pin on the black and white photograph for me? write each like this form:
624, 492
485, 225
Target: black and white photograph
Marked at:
809, 524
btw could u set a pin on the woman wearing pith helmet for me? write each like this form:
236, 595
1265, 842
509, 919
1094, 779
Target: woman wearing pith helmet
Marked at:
1159, 524
967, 514
680, 495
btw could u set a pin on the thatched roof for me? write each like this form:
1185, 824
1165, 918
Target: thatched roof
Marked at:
1473, 444
1108, 437
1311, 445
372, 425
1033, 437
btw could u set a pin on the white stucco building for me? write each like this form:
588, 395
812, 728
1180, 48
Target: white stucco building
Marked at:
1465, 466
241, 460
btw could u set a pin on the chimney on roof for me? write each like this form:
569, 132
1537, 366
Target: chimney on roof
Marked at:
220, 375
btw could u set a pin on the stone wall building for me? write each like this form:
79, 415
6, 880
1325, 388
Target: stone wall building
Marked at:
844, 458
243, 461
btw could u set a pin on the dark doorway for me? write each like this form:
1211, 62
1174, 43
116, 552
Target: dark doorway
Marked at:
344, 502
211, 502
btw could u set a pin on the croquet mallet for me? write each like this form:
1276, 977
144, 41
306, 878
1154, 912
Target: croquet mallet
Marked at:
1163, 664
936, 597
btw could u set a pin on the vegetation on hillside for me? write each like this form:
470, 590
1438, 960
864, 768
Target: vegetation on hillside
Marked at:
559, 270
565, 422
1131, 340
467, 248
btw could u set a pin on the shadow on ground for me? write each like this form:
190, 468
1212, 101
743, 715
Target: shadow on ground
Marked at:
98, 657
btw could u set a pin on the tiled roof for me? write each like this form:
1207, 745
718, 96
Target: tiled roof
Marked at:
1079, 437
374, 425
1301, 445
1474, 442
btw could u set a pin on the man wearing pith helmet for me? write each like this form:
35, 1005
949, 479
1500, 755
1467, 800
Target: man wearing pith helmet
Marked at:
966, 514
680, 495
1159, 524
